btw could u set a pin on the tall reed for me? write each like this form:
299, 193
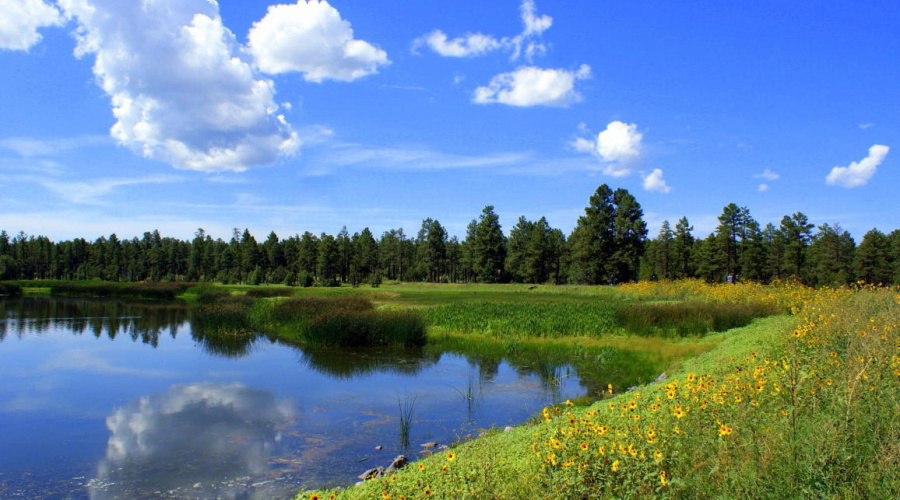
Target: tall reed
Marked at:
346, 320
407, 412
681, 319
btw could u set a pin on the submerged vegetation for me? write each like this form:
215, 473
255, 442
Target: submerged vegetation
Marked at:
799, 405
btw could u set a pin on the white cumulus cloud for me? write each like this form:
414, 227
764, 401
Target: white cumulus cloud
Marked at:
618, 147
620, 142
531, 86
311, 38
180, 90
858, 173
654, 182
21, 19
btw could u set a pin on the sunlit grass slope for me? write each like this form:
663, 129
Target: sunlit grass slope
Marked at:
805, 405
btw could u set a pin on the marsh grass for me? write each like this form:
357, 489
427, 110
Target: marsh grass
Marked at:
535, 319
346, 320
205, 295
682, 319
226, 316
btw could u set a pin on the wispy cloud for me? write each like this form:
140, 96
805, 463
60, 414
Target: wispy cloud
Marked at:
528, 42
84, 360
91, 192
33, 147
768, 176
334, 156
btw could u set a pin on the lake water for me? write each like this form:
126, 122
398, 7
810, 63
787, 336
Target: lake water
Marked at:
107, 400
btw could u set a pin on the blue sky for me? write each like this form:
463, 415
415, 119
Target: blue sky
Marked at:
124, 117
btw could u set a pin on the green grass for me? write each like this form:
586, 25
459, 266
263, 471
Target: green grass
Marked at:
802, 406
682, 319
533, 319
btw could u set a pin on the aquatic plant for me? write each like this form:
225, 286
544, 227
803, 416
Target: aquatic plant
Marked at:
681, 319
346, 320
227, 316
407, 408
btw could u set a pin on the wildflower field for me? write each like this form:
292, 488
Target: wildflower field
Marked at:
802, 404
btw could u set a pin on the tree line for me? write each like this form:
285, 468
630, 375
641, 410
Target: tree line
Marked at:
609, 245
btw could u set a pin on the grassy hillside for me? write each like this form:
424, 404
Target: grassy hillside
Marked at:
801, 405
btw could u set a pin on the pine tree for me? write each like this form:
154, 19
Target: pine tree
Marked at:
682, 247
592, 242
488, 247
831, 256
872, 259
630, 235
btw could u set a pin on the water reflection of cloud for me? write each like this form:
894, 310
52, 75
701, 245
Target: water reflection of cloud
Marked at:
87, 360
189, 434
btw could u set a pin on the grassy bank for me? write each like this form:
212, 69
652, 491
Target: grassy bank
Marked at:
792, 406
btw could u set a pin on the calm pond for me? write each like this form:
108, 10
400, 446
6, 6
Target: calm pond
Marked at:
108, 400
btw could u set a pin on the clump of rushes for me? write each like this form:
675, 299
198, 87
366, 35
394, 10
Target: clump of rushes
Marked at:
346, 320
208, 295
225, 316
682, 319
